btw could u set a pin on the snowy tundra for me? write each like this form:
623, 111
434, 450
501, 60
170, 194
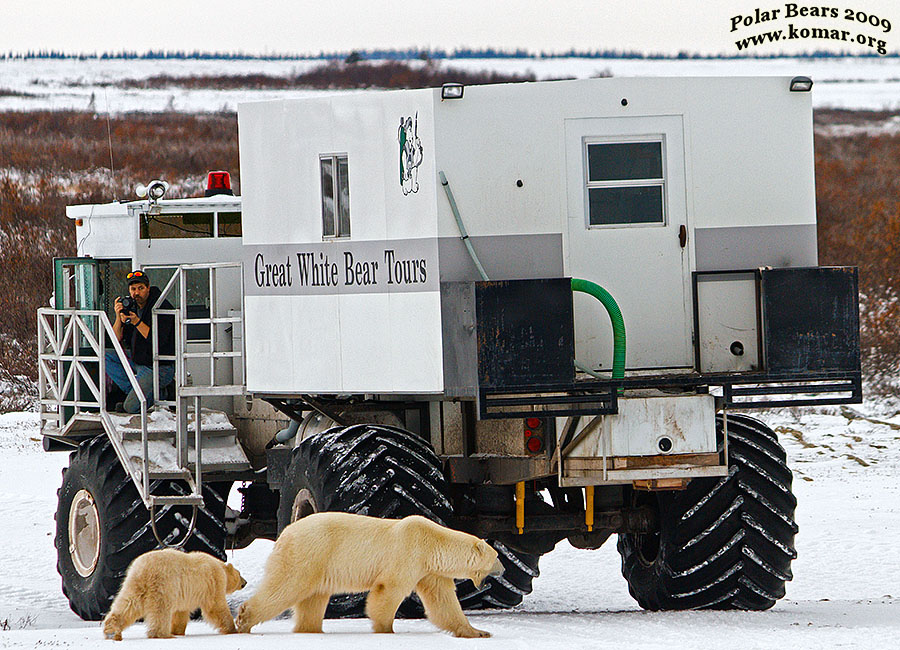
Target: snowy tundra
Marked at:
845, 592
69, 84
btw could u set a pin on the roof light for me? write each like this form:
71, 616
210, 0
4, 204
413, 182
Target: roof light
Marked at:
452, 91
154, 190
218, 182
801, 84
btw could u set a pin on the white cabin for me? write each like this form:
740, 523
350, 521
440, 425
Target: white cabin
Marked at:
634, 184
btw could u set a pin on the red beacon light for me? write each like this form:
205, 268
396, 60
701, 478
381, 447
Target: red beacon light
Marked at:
218, 182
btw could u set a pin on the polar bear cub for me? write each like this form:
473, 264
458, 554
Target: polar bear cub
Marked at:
164, 587
337, 552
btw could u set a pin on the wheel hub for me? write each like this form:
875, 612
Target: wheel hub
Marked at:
647, 543
84, 533
304, 505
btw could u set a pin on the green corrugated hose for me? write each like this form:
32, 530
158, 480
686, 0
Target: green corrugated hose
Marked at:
615, 317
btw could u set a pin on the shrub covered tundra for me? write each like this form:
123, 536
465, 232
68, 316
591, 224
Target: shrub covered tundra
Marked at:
51, 159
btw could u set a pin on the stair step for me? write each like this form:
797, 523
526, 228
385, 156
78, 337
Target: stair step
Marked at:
220, 453
161, 423
186, 500
220, 449
169, 475
83, 423
208, 391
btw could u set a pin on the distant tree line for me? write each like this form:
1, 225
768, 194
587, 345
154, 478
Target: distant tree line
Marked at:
416, 53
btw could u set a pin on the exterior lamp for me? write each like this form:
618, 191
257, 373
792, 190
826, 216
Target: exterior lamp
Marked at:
801, 84
155, 190
452, 91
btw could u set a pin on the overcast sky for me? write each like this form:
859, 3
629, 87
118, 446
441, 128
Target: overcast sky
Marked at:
297, 26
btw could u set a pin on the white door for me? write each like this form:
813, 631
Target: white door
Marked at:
627, 223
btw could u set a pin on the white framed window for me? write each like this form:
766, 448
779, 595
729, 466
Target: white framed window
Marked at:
333, 171
625, 182
190, 224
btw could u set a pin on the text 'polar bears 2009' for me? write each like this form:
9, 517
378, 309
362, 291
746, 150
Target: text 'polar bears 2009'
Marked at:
341, 267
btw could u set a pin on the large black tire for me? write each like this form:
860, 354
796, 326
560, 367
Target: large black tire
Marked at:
722, 543
110, 513
504, 591
385, 471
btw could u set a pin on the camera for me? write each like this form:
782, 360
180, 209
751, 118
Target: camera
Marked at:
129, 305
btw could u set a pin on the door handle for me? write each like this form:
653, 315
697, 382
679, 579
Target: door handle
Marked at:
682, 235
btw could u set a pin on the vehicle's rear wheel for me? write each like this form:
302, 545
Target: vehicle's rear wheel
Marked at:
102, 525
385, 471
722, 543
506, 590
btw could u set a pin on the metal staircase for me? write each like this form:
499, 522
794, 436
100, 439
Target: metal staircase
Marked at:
177, 438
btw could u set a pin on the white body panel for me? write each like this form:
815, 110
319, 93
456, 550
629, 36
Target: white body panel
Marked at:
726, 311
739, 178
105, 231
384, 339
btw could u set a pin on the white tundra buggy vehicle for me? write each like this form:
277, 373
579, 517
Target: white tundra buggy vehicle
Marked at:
532, 312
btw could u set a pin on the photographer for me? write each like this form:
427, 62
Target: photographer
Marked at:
132, 327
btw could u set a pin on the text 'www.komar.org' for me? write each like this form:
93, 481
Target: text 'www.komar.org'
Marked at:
836, 25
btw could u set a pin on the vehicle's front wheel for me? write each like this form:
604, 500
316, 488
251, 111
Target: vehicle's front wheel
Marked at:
102, 525
722, 543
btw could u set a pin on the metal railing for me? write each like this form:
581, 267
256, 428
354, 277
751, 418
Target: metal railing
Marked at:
72, 381
215, 352
72, 344
215, 349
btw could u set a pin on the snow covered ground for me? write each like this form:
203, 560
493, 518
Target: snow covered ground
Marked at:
41, 84
845, 592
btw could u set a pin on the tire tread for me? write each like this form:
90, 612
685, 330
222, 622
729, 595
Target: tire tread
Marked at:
725, 543
385, 471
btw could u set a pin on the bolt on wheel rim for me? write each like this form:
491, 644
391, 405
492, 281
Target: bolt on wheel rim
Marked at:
84, 533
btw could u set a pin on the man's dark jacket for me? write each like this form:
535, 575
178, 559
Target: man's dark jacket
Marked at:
142, 348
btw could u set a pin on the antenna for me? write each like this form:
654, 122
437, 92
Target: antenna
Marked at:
112, 167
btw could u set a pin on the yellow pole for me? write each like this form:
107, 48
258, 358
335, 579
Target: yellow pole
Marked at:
520, 506
589, 507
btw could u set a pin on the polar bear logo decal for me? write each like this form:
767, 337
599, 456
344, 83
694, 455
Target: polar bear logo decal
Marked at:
410, 154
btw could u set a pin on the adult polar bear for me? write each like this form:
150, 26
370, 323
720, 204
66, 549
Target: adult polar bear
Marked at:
337, 552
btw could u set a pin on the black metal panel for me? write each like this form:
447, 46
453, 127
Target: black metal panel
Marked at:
458, 336
525, 332
277, 461
810, 320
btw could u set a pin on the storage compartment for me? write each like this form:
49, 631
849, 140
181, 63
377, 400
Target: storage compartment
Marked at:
651, 437
727, 322
787, 322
